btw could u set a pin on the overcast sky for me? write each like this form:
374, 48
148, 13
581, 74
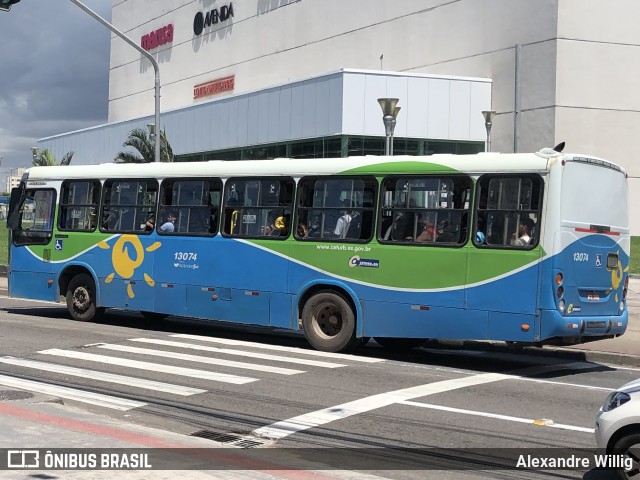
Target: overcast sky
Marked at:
54, 72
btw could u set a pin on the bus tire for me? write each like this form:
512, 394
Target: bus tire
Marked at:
81, 298
329, 322
623, 447
400, 343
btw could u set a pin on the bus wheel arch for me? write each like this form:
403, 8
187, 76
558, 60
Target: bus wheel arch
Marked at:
329, 318
81, 294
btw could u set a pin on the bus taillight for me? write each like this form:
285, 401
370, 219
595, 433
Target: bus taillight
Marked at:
559, 279
560, 292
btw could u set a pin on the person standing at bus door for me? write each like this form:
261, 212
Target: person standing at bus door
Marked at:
342, 225
170, 224
524, 233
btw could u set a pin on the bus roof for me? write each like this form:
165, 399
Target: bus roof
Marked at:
444, 163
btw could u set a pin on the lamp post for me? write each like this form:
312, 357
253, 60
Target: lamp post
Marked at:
156, 68
34, 153
389, 113
488, 123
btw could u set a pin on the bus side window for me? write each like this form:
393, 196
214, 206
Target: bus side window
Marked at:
336, 208
127, 204
508, 211
79, 205
425, 210
258, 207
195, 202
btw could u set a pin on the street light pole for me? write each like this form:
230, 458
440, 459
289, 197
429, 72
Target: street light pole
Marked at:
488, 123
143, 52
389, 113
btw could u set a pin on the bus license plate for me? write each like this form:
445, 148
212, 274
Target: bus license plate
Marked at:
593, 296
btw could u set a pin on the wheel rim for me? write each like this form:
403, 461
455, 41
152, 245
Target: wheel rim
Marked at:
81, 299
633, 453
327, 320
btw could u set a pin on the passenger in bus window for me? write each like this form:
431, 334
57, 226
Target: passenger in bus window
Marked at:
302, 230
342, 225
149, 224
269, 227
428, 233
280, 229
170, 224
524, 233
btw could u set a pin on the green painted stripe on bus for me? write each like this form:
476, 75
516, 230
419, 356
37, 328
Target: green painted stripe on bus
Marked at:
405, 167
415, 267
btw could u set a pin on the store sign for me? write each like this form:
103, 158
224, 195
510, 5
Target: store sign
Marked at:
202, 20
214, 87
158, 38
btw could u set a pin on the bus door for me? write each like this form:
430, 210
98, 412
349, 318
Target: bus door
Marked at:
31, 223
503, 273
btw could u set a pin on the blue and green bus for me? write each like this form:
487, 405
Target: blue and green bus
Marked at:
530, 249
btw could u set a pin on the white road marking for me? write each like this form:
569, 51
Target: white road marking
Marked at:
71, 393
496, 416
306, 421
285, 428
230, 351
566, 384
103, 376
301, 351
198, 359
153, 367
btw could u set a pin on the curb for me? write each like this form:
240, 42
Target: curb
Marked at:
575, 354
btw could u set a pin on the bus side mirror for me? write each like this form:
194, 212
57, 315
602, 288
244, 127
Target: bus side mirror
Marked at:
17, 197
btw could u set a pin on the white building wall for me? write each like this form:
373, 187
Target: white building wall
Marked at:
338, 103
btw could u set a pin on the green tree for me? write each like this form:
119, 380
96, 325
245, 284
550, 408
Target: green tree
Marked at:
46, 158
140, 141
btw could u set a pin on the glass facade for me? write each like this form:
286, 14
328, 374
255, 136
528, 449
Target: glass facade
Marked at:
336, 146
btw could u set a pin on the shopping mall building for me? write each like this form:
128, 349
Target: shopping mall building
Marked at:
247, 79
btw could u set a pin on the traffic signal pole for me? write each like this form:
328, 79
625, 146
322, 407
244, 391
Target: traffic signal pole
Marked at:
147, 55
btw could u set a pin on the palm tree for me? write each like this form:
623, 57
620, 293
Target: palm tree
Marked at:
139, 140
46, 158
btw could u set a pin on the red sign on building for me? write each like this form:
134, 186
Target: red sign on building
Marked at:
158, 38
214, 87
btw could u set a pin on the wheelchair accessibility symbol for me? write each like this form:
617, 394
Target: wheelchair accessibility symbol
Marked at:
598, 261
58, 246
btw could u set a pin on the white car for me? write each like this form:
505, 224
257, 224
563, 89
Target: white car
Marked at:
618, 427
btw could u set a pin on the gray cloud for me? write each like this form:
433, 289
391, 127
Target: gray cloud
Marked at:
54, 72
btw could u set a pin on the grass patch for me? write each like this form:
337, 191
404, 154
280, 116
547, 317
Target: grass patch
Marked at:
634, 261
4, 243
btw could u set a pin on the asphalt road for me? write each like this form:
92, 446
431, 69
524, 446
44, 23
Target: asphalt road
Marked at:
274, 391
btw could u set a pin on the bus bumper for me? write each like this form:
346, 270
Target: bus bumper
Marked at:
554, 325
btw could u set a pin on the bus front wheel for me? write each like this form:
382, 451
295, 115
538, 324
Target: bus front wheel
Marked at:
329, 323
81, 298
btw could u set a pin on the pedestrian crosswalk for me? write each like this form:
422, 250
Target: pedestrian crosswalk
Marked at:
165, 355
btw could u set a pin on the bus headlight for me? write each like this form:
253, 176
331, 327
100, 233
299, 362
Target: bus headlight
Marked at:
621, 308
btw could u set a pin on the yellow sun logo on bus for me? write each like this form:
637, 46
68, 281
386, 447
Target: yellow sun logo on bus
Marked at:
617, 274
123, 264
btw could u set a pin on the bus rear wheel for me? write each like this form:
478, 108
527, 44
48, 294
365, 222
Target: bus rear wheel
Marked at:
81, 298
329, 322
